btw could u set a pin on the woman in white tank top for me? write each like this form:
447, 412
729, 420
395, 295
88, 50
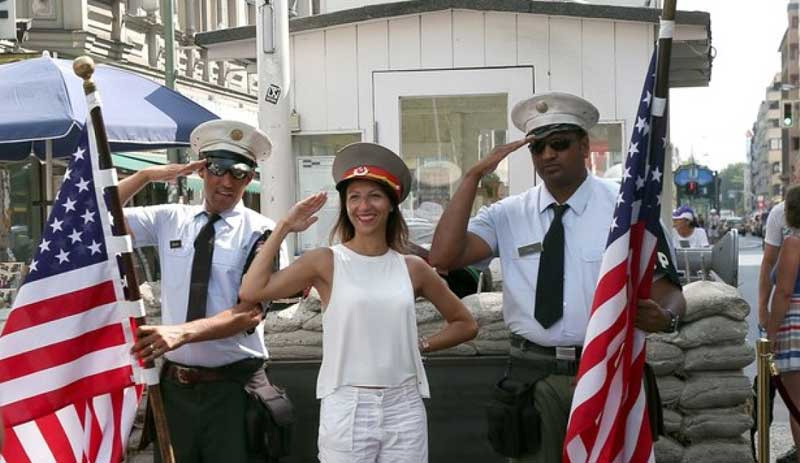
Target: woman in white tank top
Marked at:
372, 380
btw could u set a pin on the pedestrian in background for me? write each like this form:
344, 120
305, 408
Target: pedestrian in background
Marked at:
783, 323
687, 232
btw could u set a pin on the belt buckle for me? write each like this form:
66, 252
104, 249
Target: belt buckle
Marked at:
182, 375
566, 353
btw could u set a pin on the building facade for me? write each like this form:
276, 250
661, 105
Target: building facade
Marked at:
128, 34
790, 94
765, 157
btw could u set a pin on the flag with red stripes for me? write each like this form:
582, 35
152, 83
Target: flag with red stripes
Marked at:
67, 388
609, 420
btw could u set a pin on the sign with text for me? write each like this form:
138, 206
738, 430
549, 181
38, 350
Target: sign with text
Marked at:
8, 20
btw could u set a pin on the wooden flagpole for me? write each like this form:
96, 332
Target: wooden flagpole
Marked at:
667, 27
84, 68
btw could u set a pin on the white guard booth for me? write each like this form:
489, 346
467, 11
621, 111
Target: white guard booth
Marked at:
436, 80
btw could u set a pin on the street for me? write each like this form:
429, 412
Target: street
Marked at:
750, 254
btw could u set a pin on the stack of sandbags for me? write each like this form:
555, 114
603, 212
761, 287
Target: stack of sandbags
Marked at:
706, 395
296, 332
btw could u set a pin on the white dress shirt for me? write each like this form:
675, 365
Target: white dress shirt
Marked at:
172, 228
514, 229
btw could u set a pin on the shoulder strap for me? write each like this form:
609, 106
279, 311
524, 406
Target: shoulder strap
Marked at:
267, 305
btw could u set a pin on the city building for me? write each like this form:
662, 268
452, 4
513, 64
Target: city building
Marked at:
435, 81
765, 156
128, 34
790, 94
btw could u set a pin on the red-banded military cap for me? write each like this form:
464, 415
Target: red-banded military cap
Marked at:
369, 161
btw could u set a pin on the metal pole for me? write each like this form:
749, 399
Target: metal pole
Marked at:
175, 194
48, 177
763, 358
274, 73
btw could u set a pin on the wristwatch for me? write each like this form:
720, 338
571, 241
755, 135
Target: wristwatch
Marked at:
674, 322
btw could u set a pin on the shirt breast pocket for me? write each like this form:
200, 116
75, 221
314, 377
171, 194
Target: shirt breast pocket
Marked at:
176, 261
592, 254
527, 257
228, 257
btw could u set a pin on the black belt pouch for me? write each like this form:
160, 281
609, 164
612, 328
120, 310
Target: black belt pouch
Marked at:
269, 418
513, 421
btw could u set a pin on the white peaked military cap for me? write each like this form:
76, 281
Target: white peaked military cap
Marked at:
545, 113
226, 139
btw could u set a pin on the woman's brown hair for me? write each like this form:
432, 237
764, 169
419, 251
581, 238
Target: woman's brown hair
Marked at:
792, 206
396, 228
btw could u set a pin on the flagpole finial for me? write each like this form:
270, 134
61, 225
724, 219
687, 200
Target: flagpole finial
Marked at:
83, 67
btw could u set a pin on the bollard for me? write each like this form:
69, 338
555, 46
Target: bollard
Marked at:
764, 369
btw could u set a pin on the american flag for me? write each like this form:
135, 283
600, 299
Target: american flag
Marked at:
67, 386
609, 419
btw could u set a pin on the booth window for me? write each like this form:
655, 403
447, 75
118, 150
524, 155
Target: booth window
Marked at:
606, 150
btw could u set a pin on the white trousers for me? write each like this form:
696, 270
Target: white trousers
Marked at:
361, 425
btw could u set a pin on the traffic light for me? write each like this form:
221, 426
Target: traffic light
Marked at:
691, 188
788, 118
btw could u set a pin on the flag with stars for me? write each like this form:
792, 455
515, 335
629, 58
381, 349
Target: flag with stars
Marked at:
66, 376
609, 418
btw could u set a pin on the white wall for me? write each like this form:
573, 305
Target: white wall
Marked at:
329, 6
602, 60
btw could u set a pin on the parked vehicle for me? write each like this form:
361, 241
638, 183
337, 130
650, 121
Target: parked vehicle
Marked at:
730, 223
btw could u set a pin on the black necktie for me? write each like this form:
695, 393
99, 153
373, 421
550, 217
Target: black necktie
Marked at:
201, 270
550, 284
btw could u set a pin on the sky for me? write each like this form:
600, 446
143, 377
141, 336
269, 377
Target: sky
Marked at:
713, 121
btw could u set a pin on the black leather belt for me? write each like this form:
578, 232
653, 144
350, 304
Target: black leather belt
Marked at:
558, 359
183, 374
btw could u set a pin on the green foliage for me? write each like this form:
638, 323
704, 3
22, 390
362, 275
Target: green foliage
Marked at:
732, 187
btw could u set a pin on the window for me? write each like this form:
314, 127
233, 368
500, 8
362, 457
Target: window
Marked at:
440, 138
322, 144
775, 144
795, 143
774, 104
774, 123
605, 158
443, 136
794, 21
776, 167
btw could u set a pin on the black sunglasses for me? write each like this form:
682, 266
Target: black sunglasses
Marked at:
219, 167
555, 144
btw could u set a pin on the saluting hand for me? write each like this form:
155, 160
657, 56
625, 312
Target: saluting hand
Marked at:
301, 215
488, 164
169, 172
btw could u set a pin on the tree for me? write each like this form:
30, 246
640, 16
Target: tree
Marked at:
732, 188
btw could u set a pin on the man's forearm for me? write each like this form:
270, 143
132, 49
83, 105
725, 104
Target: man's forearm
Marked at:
235, 320
450, 238
131, 185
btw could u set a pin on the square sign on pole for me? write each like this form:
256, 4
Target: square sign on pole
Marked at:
8, 20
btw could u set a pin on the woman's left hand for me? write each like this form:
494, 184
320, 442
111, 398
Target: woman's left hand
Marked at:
301, 215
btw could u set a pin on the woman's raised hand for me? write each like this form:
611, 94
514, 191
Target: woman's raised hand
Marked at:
301, 215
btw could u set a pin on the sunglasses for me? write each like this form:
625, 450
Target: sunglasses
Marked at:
219, 167
555, 144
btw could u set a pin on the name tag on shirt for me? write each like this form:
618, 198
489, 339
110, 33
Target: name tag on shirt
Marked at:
529, 249
175, 244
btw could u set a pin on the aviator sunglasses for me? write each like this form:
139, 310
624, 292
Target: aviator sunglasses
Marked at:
218, 167
556, 144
